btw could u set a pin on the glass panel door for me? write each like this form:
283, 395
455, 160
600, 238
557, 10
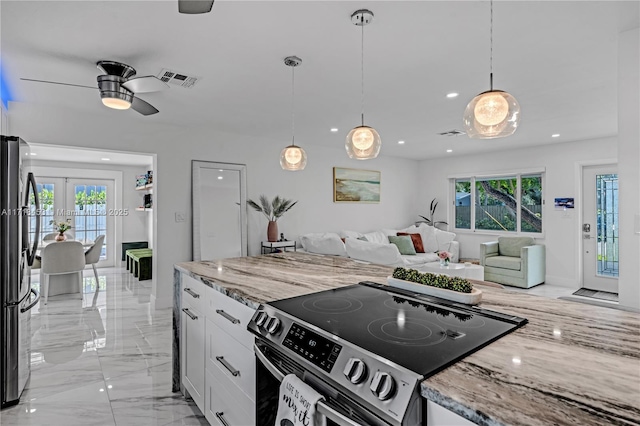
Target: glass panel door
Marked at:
89, 202
600, 228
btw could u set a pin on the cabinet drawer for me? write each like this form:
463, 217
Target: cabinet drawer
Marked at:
193, 356
231, 316
235, 361
193, 292
225, 402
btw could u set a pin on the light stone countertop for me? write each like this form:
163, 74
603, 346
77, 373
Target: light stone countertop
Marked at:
572, 364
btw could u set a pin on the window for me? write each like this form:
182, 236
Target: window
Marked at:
510, 203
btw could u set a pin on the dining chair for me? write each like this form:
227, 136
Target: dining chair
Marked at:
92, 256
65, 257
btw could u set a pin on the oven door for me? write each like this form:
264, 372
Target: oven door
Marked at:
271, 367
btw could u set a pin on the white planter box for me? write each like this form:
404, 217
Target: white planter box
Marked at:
472, 298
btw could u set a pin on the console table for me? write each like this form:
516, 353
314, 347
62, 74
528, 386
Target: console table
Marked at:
271, 247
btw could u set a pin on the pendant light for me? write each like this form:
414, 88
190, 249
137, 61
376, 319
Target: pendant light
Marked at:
293, 157
363, 142
494, 113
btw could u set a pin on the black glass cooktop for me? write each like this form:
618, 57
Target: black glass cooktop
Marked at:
423, 335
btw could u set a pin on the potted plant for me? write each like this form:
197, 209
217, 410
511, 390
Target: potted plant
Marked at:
61, 228
432, 211
272, 210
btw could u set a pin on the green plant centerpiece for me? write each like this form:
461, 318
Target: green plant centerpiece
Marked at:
458, 284
272, 210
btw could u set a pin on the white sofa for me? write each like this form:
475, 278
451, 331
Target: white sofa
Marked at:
377, 248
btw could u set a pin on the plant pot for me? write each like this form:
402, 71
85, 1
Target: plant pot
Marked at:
61, 237
472, 298
272, 231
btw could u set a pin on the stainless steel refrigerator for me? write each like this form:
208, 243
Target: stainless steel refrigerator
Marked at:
19, 213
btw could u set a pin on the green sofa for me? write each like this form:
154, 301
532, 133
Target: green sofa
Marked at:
515, 261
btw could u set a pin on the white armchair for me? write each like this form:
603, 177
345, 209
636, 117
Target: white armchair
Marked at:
515, 261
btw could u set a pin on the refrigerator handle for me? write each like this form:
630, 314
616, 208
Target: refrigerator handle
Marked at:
31, 184
32, 304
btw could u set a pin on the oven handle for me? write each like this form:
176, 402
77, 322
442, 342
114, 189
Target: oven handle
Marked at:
321, 406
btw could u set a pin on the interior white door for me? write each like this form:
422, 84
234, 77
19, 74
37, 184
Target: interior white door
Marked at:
600, 228
90, 206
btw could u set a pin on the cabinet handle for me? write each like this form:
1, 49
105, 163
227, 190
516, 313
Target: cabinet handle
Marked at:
220, 416
228, 366
227, 316
189, 314
192, 293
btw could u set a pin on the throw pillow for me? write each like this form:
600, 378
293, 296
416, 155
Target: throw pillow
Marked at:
444, 239
377, 237
323, 243
404, 244
417, 241
428, 235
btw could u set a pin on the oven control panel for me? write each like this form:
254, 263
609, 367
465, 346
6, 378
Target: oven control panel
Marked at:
319, 350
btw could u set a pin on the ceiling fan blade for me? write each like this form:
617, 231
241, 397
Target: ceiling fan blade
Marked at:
143, 107
56, 82
145, 84
194, 6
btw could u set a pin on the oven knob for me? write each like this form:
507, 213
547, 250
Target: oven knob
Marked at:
355, 370
383, 386
261, 318
273, 325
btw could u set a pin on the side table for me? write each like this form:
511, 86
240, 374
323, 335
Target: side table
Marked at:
267, 247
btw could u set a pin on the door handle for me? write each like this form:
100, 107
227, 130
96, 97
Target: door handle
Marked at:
189, 314
227, 316
228, 366
32, 304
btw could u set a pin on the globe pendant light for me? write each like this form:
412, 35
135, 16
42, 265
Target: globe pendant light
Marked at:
494, 113
293, 157
363, 142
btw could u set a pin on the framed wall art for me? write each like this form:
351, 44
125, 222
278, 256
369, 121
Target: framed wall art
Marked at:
356, 186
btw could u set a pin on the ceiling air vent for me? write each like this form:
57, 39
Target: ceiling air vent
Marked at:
453, 132
177, 79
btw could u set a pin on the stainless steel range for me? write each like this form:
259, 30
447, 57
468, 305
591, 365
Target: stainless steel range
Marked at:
366, 348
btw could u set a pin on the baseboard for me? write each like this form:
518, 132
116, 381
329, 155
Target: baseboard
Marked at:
157, 303
562, 282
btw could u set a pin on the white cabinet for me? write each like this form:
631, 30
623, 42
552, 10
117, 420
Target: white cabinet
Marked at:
437, 415
193, 338
217, 361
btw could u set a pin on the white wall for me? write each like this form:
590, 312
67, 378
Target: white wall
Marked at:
560, 161
177, 146
629, 166
4, 122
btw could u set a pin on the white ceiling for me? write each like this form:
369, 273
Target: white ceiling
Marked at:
559, 59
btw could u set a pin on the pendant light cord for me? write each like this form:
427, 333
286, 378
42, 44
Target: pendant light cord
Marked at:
293, 105
491, 55
362, 70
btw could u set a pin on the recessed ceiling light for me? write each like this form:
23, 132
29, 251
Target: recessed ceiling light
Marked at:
555, 135
449, 150
106, 159
401, 142
219, 177
221, 170
333, 129
452, 95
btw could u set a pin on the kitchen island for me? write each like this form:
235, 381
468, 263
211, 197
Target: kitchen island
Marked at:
571, 364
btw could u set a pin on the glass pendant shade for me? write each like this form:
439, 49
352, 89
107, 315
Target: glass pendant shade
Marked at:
492, 114
363, 143
293, 158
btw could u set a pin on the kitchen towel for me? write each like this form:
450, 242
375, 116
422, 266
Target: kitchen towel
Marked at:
297, 404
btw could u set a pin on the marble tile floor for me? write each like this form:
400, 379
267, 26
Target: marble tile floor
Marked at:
103, 360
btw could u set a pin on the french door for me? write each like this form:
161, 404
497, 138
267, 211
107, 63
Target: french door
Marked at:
87, 204
600, 228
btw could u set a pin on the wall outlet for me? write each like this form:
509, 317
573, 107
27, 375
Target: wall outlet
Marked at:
180, 216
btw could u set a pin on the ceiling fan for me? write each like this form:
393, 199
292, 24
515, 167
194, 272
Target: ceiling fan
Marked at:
194, 6
119, 85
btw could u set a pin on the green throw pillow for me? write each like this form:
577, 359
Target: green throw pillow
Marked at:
404, 243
